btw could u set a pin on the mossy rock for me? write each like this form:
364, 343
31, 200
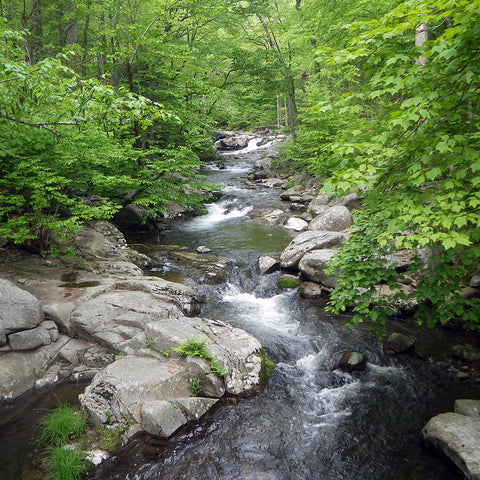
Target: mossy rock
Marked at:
288, 281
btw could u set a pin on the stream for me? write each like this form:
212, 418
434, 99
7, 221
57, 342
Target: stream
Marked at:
312, 422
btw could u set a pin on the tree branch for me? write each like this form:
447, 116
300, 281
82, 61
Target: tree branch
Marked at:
45, 125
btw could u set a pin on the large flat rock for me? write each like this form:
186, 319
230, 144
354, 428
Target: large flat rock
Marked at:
458, 437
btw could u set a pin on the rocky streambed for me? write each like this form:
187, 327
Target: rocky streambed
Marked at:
98, 318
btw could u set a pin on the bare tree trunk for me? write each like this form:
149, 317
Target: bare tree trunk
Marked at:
72, 30
421, 36
102, 40
292, 112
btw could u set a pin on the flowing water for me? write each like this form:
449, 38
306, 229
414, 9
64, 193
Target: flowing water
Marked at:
312, 422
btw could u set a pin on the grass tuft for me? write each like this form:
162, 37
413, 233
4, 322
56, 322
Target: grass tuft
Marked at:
61, 425
66, 464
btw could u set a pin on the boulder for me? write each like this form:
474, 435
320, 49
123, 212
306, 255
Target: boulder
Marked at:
297, 224
398, 343
152, 392
115, 319
275, 217
96, 245
131, 217
267, 264
352, 362
203, 249
19, 310
235, 350
468, 407
313, 265
162, 418
21, 369
306, 242
273, 182
458, 437
334, 219
310, 290
30, 339
318, 204
235, 142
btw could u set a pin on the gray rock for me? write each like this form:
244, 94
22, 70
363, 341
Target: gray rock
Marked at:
470, 408
161, 418
95, 245
19, 310
234, 349
306, 242
264, 164
475, 278
334, 219
182, 296
275, 217
130, 216
398, 343
121, 268
318, 205
313, 265
20, 370
352, 362
117, 394
267, 264
60, 313
203, 249
195, 407
297, 224
310, 290
30, 339
467, 353
458, 437
52, 329
351, 201
114, 319
236, 142
273, 182
74, 350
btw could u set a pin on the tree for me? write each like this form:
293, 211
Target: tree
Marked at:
417, 163
68, 150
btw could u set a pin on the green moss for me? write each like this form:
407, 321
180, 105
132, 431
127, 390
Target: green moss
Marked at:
268, 366
288, 282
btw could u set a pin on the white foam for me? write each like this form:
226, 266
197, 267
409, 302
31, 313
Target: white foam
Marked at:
267, 312
216, 213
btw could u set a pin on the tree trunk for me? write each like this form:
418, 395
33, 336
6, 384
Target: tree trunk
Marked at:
421, 36
292, 112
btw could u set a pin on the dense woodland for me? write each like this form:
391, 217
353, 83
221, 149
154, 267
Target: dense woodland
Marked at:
109, 102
